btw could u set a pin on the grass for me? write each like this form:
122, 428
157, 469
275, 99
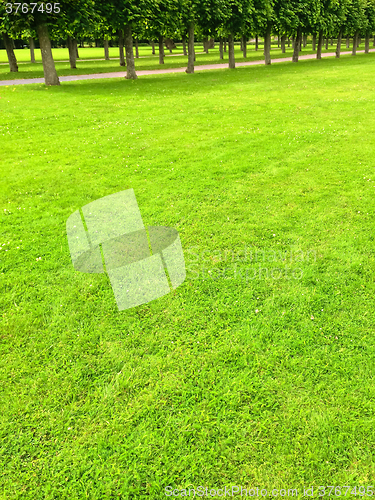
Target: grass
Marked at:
262, 382
90, 60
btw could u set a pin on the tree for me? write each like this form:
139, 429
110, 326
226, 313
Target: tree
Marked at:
204, 16
32, 49
9, 25
298, 17
370, 25
121, 15
101, 30
160, 20
320, 45
120, 33
76, 19
321, 25
338, 12
191, 51
356, 21
43, 20
50, 74
8, 42
187, 19
233, 14
106, 48
331, 21
262, 21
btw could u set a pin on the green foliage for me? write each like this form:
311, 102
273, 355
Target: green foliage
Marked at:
356, 17
302, 15
261, 13
335, 15
235, 12
160, 18
170, 18
118, 13
370, 17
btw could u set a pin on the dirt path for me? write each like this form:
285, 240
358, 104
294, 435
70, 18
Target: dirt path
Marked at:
121, 74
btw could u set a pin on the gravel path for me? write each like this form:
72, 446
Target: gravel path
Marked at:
121, 74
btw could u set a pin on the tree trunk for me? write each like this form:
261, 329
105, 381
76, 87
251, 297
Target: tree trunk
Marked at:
304, 41
76, 47
153, 47
314, 42
169, 44
161, 50
136, 48
297, 42
278, 41
106, 49
50, 75
232, 63
373, 42
288, 41
355, 43
221, 48
121, 47
320, 45
244, 46
367, 44
72, 53
32, 49
327, 43
184, 45
130, 66
267, 45
338, 46
241, 44
347, 42
300, 43
8, 42
283, 44
205, 45
225, 45
256, 42
191, 51
359, 41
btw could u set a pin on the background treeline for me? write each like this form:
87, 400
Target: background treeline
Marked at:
128, 23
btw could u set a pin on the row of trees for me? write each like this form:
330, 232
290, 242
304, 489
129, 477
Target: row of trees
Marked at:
156, 20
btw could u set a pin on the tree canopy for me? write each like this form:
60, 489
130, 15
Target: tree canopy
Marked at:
182, 19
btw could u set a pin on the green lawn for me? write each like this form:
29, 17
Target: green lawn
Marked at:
265, 381
23, 55
146, 60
